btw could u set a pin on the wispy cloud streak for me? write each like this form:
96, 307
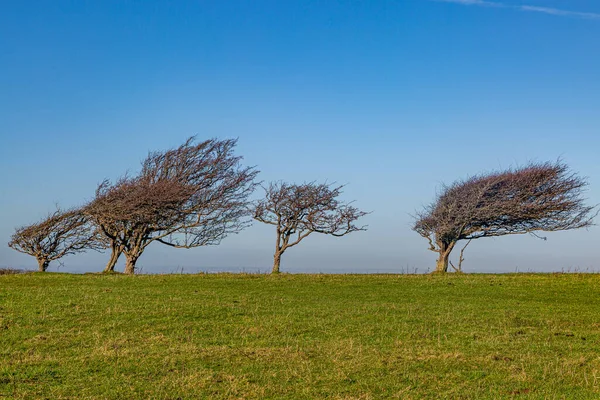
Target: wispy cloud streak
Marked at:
543, 10
562, 13
473, 2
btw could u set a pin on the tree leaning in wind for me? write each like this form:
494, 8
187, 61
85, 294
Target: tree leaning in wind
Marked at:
59, 234
299, 210
537, 197
190, 196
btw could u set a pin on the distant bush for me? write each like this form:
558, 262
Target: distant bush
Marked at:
10, 271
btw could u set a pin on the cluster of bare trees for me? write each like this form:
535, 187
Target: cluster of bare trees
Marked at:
198, 193
193, 195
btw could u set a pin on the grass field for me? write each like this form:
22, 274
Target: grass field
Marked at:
300, 336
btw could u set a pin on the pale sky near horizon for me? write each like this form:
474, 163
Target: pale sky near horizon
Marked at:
391, 97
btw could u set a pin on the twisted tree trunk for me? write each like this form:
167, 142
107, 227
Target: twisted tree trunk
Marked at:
130, 265
276, 262
43, 264
444, 257
132, 253
114, 257
442, 263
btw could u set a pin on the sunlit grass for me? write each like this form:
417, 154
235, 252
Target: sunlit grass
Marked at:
300, 336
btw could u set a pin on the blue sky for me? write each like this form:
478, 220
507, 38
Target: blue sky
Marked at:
391, 97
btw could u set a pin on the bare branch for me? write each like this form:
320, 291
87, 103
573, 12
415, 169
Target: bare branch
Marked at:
461, 258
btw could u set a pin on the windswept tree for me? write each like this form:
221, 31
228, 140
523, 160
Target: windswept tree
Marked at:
299, 210
537, 197
60, 234
129, 212
194, 195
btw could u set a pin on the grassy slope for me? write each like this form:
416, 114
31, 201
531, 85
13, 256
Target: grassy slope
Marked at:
300, 336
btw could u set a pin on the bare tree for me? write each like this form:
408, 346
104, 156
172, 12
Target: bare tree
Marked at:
194, 195
130, 211
537, 197
299, 210
60, 234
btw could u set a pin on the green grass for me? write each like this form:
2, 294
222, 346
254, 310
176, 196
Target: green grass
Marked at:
300, 336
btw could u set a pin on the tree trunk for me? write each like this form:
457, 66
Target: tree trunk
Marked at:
444, 257
114, 257
130, 264
442, 262
276, 263
42, 264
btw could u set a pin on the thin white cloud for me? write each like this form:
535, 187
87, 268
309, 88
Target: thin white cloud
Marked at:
562, 13
474, 3
543, 10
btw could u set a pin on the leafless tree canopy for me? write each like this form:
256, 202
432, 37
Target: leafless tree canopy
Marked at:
194, 195
299, 210
60, 234
537, 197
